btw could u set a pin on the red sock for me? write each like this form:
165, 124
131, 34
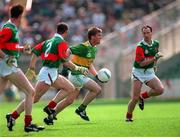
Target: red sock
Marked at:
27, 120
144, 95
52, 104
15, 115
129, 115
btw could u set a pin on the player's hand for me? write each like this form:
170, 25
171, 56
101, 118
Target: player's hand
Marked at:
27, 49
99, 79
31, 74
158, 55
10, 61
81, 69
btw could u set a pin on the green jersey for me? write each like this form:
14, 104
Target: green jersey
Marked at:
144, 51
11, 47
52, 51
83, 55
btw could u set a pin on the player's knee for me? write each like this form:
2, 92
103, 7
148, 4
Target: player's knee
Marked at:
30, 93
135, 98
36, 99
98, 90
71, 89
69, 101
160, 90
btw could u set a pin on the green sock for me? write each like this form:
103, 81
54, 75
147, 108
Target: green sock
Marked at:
82, 107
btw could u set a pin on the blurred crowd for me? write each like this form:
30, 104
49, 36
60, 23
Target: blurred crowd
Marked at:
110, 15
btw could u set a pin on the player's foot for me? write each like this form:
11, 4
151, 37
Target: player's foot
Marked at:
82, 114
40, 128
50, 112
33, 128
129, 120
141, 103
10, 122
48, 121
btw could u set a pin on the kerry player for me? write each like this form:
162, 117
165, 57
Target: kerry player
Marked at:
9, 70
82, 55
147, 54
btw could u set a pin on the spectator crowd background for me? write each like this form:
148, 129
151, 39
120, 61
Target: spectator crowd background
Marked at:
110, 15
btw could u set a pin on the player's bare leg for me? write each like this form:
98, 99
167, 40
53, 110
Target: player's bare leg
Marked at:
156, 90
66, 89
40, 89
136, 89
156, 86
67, 101
22, 83
3, 84
94, 91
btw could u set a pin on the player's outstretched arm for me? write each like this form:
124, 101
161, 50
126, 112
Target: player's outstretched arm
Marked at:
72, 66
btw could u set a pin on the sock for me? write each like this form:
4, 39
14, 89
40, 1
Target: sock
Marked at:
82, 107
52, 104
15, 115
27, 120
129, 115
144, 95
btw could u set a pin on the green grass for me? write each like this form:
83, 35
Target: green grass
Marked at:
159, 119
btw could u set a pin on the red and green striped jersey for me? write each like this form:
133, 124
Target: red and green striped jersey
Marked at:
53, 51
83, 54
144, 51
9, 39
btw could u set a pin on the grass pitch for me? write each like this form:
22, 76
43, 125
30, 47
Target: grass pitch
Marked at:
107, 119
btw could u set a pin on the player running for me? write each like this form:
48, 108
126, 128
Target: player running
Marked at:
83, 55
147, 54
9, 70
53, 52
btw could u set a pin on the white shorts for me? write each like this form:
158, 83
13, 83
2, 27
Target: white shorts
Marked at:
78, 80
48, 75
143, 75
6, 70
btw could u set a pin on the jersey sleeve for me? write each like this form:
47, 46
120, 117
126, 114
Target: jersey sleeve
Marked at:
139, 54
5, 35
77, 49
38, 49
157, 45
63, 51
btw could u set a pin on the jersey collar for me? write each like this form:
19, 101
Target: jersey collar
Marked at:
9, 21
91, 44
58, 35
145, 43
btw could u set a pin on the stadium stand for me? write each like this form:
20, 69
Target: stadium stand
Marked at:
122, 16
80, 14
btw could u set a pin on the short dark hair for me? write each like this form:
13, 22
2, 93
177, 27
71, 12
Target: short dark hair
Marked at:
93, 31
62, 27
16, 11
145, 27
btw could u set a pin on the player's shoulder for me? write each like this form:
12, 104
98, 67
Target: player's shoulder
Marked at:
86, 44
139, 44
9, 25
156, 42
